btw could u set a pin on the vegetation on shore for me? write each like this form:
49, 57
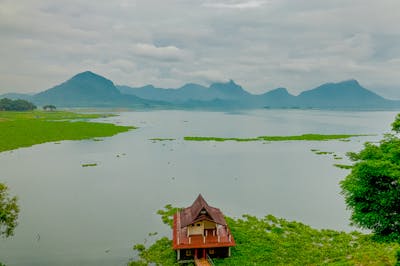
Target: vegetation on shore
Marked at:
304, 137
9, 211
273, 241
24, 129
372, 189
16, 105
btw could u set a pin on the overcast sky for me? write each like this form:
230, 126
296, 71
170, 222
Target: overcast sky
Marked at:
261, 44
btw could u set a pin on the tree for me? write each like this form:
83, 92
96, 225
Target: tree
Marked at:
49, 107
372, 189
15, 105
9, 210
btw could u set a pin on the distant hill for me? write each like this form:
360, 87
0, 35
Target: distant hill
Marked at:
343, 94
88, 89
16, 96
189, 92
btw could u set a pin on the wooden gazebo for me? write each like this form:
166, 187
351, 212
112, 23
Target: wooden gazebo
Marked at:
200, 231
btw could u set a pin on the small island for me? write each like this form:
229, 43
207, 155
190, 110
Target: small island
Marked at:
304, 137
24, 129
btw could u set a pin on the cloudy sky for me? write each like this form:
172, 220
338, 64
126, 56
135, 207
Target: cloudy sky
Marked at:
261, 44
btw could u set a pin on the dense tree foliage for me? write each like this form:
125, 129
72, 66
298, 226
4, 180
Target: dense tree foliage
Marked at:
49, 107
372, 189
15, 105
8, 212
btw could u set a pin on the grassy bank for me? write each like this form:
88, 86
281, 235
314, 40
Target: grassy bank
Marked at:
24, 129
273, 241
304, 137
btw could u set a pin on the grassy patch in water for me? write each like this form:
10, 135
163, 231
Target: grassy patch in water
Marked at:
273, 241
162, 139
24, 129
304, 137
343, 166
89, 164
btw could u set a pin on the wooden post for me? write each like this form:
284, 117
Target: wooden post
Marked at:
204, 253
178, 254
195, 253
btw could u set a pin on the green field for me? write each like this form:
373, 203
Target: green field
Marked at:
304, 137
24, 129
273, 241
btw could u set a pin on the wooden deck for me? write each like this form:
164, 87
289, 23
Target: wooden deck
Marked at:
201, 262
221, 237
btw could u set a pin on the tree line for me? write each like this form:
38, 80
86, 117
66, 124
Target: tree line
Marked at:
7, 104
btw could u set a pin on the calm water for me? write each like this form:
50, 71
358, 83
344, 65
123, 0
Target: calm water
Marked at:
74, 215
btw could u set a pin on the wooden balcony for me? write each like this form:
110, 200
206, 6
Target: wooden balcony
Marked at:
220, 237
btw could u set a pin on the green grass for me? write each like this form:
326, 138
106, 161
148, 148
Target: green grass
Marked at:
273, 241
161, 139
24, 129
89, 164
343, 166
304, 137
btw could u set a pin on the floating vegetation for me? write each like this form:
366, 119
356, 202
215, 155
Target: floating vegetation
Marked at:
304, 137
57, 142
95, 139
50, 127
343, 166
161, 139
89, 164
274, 241
336, 157
323, 152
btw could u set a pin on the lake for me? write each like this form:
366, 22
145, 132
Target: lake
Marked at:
74, 215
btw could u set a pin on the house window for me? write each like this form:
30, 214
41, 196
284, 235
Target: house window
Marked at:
188, 252
198, 224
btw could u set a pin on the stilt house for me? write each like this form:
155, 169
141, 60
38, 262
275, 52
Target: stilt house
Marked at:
200, 232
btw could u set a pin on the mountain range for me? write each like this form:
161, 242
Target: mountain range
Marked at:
88, 89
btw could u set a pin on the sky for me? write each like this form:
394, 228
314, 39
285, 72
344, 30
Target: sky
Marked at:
260, 44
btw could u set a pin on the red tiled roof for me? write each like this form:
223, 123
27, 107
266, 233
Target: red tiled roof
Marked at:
192, 214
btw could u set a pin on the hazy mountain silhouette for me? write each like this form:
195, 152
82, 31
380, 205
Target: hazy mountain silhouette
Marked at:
343, 94
346, 94
88, 89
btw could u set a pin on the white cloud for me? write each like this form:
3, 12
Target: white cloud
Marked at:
167, 53
259, 44
235, 4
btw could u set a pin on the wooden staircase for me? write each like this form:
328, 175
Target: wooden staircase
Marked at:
201, 262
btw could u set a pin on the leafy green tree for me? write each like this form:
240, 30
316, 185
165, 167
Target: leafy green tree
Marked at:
9, 210
372, 189
49, 107
15, 105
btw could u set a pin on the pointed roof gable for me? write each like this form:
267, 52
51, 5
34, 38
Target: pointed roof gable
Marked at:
193, 213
